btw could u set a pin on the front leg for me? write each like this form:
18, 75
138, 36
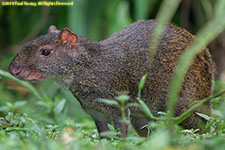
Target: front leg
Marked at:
121, 126
102, 126
101, 122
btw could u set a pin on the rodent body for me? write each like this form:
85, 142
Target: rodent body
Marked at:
93, 70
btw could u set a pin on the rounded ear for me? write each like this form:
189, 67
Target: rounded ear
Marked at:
68, 37
53, 29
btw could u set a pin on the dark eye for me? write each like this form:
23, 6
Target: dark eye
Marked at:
46, 52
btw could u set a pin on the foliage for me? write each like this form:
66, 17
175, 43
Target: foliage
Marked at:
20, 131
46, 116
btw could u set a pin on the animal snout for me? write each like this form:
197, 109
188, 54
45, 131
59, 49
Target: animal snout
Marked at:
15, 68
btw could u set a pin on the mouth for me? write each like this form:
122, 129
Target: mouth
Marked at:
26, 73
31, 75
35, 76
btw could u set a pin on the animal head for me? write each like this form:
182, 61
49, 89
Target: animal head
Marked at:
49, 56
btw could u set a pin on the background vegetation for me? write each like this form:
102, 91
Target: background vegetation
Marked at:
48, 117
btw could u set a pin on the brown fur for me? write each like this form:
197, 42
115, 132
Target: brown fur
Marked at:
93, 70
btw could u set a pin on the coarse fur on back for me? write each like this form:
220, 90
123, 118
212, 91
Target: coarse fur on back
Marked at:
93, 70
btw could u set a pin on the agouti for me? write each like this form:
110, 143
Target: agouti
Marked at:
93, 70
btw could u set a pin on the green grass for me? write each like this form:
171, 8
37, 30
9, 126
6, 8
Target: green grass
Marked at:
20, 130
51, 118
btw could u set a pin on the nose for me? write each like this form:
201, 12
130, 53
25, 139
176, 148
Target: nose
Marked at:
15, 68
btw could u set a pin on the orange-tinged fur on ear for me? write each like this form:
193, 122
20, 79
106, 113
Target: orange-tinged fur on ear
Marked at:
68, 37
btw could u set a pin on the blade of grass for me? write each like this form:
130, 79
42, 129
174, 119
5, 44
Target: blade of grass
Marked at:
144, 107
141, 85
165, 14
207, 7
217, 25
188, 112
219, 8
141, 9
77, 17
26, 84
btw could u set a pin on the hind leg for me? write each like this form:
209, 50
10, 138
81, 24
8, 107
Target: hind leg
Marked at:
140, 125
194, 120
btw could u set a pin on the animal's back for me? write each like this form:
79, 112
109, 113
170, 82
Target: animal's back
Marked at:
131, 47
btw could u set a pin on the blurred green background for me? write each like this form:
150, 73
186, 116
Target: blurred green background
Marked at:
96, 20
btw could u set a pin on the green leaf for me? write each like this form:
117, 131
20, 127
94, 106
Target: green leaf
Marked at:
4, 109
20, 103
206, 117
123, 98
26, 84
59, 107
141, 85
162, 113
111, 128
110, 102
110, 134
159, 140
142, 82
8, 104
145, 109
132, 105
